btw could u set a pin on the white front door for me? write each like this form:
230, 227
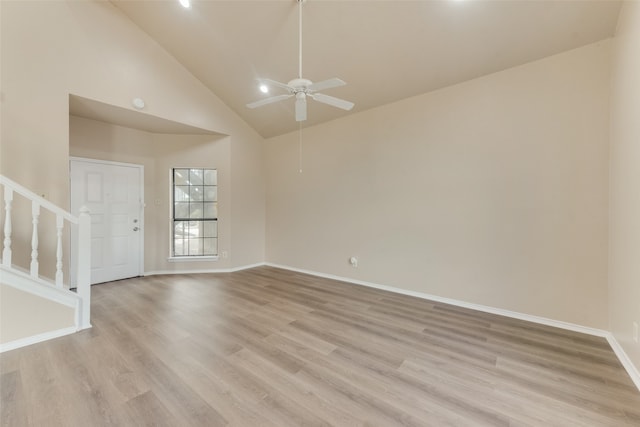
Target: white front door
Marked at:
113, 194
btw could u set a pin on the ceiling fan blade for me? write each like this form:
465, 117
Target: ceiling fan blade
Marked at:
270, 100
270, 82
325, 84
301, 108
330, 100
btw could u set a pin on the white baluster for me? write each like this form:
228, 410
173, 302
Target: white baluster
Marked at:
35, 213
6, 252
59, 274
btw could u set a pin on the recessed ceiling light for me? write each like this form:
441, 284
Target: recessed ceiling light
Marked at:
185, 3
264, 88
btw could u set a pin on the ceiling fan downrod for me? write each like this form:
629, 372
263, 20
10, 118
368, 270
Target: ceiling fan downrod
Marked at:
300, 38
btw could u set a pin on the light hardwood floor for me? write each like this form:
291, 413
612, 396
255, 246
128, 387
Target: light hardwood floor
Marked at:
269, 347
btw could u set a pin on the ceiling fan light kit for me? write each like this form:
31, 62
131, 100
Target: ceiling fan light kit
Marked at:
302, 88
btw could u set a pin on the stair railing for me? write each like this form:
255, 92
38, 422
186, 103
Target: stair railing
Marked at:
82, 221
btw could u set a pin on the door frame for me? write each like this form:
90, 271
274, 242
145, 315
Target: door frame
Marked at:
141, 216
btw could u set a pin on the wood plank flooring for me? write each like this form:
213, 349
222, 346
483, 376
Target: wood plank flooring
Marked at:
269, 347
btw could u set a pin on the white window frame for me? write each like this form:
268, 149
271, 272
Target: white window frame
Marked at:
187, 258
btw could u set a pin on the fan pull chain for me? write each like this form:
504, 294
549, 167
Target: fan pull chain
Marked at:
299, 147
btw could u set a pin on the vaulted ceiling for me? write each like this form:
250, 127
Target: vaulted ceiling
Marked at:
385, 50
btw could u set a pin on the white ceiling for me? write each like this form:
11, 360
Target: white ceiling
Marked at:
384, 50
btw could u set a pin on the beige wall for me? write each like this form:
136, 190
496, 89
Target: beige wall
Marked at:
16, 322
624, 258
51, 49
493, 191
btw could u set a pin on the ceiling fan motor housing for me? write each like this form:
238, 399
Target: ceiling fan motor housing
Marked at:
300, 85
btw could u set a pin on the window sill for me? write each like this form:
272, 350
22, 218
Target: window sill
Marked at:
192, 258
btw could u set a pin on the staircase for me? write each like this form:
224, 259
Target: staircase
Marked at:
30, 280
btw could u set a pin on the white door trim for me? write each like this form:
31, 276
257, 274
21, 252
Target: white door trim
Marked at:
142, 204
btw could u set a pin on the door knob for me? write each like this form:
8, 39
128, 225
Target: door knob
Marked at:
135, 229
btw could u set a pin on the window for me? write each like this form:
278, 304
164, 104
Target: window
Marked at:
195, 212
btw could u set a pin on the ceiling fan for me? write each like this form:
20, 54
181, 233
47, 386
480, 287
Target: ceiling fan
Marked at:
302, 88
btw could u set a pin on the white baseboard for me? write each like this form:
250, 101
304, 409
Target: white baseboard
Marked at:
206, 270
631, 369
484, 308
23, 342
617, 349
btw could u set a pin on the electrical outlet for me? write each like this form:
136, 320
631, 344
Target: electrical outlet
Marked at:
353, 261
225, 254
635, 331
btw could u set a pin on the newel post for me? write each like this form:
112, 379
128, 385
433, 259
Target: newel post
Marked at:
84, 266
35, 215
